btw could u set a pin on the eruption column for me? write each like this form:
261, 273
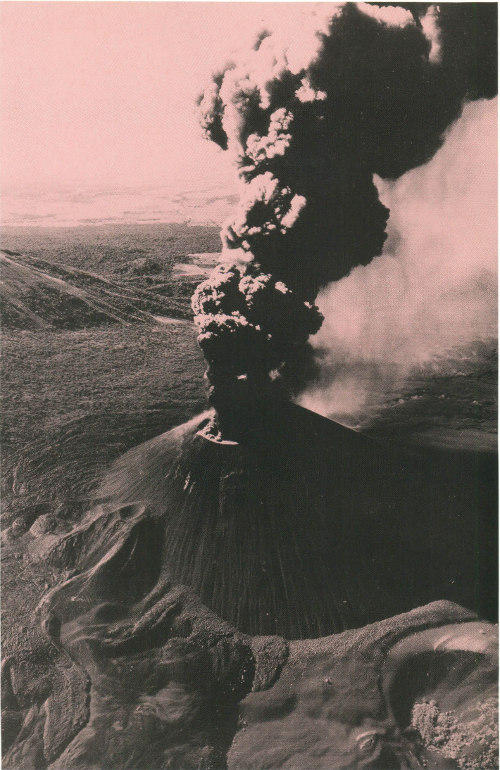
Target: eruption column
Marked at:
368, 89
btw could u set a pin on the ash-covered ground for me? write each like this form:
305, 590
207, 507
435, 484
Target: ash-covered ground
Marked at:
450, 404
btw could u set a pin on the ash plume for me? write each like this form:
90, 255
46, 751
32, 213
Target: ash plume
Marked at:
360, 90
429, 303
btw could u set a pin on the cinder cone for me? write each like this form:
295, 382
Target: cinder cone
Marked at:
304, 527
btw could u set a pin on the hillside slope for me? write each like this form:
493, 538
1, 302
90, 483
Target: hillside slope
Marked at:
40, 294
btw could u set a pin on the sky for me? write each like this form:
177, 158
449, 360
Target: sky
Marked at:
102, 93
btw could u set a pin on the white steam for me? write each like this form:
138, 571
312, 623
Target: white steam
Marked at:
432, 293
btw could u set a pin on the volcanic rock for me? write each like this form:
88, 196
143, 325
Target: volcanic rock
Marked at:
154, 679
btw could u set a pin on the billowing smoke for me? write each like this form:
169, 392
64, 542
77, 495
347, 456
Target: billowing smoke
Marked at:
360, 90
428, 301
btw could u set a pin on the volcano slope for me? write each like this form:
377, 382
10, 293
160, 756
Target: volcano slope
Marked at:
306, 528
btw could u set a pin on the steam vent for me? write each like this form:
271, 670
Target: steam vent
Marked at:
281, 521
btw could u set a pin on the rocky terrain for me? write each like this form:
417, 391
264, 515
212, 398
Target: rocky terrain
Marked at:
132, 671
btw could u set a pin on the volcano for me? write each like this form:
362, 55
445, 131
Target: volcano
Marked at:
304, 527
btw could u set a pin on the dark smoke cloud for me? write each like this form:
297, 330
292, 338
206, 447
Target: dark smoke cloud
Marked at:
253, 331
368, 90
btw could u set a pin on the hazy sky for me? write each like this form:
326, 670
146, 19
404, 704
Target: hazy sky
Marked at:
102, 92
